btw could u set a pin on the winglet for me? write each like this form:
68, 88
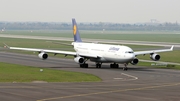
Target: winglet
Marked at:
172, 47
6, 46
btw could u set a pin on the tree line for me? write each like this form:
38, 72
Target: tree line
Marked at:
90, 26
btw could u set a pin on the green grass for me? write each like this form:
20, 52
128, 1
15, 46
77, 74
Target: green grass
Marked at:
32, 43
157, 65
19, 73
157, 36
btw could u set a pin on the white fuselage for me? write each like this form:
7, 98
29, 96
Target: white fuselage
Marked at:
107, 53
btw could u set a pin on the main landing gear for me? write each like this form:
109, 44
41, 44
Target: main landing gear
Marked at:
98, 65
114, 65
85, 65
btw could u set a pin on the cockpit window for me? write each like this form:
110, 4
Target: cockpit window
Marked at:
129, 52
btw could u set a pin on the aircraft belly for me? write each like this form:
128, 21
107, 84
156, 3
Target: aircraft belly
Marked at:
109, 60
98, 60
118, 60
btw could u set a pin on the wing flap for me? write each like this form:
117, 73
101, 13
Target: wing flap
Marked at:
55, 51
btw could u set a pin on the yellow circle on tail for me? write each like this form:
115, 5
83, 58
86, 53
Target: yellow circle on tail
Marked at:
74, 29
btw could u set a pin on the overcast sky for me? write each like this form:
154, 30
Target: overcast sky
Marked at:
120, 11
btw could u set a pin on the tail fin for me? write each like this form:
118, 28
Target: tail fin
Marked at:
76, 34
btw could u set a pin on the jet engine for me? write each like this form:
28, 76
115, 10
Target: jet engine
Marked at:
79, 60
155, 57
43, 56
134, 61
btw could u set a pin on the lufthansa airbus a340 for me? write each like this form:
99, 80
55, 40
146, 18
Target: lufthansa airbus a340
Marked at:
98, 53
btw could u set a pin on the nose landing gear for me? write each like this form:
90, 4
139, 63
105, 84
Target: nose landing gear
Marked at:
125, 67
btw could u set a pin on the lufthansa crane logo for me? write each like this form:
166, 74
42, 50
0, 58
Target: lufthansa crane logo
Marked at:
74, 29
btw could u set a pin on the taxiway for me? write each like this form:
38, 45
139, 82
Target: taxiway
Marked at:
136, 84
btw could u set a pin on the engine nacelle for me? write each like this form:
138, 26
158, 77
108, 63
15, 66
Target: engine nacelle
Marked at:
134, 61
79, 60
43, 56
155, 57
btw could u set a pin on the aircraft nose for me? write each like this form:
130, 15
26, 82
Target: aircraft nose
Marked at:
132, 56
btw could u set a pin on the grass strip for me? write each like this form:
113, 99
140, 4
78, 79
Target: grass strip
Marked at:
158, 65
19, 73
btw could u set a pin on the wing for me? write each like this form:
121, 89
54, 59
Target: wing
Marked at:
152, 51
54, 51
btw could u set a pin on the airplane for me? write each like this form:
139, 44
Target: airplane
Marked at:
98, 53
